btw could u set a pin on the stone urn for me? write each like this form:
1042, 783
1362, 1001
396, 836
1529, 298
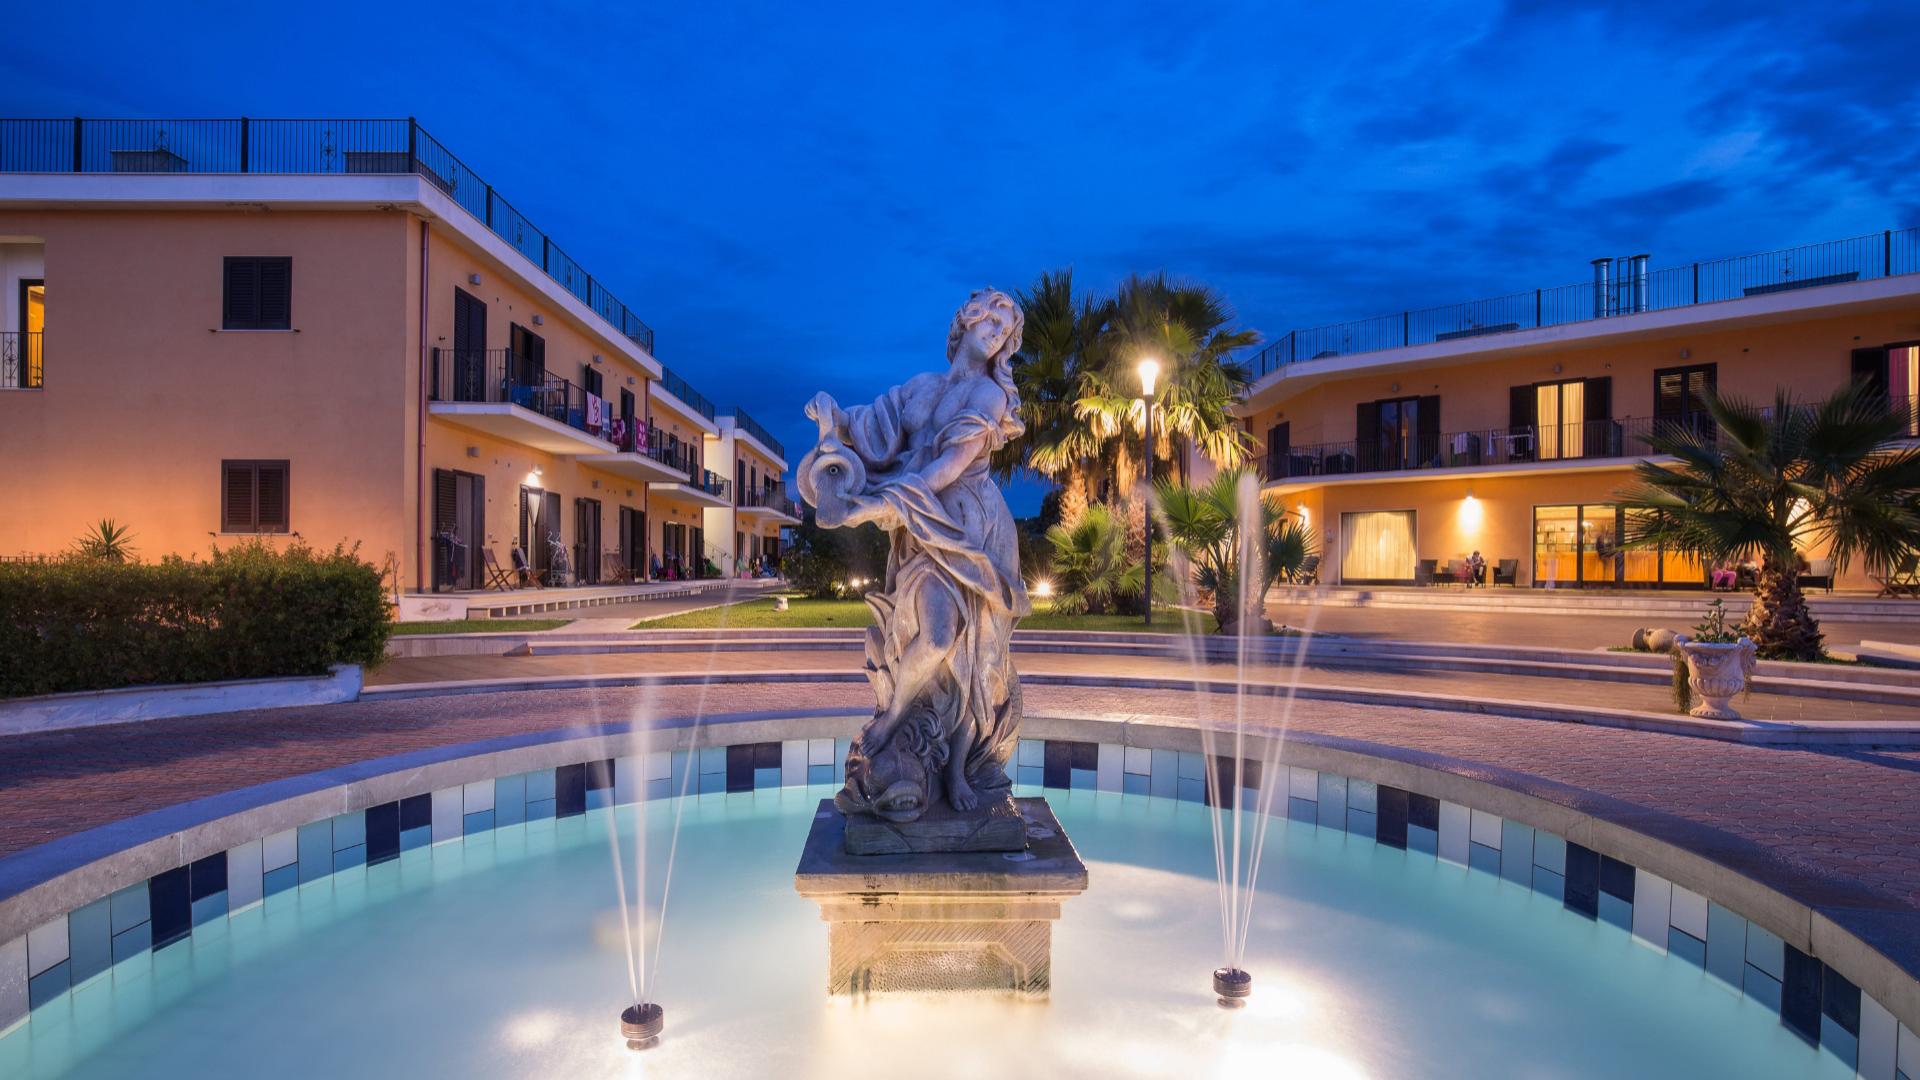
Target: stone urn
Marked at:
1716, 671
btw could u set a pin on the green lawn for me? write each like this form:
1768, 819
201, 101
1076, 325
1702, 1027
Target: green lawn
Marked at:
479, 626
813, 613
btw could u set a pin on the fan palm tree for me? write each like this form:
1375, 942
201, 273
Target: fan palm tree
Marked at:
1090, 562
1768, 481
1210, 527
1063, 331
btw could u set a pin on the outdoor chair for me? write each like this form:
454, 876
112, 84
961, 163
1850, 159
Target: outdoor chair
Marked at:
496, 577
1309, 571
1462, 572
524, 569
1426, 572
1506, 572
1818, 575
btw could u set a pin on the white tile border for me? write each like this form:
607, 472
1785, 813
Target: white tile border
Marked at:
46, 945
1689, 912
1652, 909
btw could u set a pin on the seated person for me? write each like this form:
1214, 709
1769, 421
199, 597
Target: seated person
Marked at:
1722, 577
1476, 569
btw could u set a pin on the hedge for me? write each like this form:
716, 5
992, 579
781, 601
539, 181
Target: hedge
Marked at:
79, 623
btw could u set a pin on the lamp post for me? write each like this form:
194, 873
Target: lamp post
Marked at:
1149, 370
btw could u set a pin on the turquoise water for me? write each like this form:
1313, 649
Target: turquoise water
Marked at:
498, 956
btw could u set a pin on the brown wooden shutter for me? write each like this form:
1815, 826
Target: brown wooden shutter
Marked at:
236, 497
1870, 367
240, 294
271, 496
1598, 395
1427, 430
1366, 435
446, 502
1522, 405
276, 294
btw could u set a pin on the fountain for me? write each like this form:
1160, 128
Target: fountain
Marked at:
930, 874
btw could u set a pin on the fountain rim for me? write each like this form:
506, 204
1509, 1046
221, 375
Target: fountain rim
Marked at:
48, 880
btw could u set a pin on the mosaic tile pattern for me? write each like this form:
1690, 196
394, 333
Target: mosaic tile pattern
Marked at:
1812, 1000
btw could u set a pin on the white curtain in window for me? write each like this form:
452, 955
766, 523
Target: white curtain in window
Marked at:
1377, 546
1559, 411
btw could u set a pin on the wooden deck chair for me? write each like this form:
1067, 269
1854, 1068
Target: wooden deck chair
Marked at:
496, 577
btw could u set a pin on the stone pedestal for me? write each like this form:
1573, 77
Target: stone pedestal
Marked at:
995, 826
974, 921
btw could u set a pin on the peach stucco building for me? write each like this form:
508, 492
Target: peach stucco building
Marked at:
233, 329
1510, 426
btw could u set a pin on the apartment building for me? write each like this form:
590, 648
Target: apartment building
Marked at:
221, 329
1509, 426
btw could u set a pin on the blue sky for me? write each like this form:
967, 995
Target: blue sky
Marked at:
796, 197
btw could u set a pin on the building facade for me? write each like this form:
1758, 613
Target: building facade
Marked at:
217, 330
1510, 427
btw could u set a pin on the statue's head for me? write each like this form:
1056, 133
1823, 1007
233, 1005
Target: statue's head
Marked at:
989, 325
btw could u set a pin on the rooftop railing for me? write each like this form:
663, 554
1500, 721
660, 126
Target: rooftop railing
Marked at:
753, 428
301, 147
1629, 288
681, 389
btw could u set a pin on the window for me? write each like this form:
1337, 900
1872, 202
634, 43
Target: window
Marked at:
1679, 398
1377, 546
1397, 433
1893, 372
1559, 409
1568, 418
258, 293
253, 497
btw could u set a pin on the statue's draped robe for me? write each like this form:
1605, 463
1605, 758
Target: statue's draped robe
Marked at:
961, 540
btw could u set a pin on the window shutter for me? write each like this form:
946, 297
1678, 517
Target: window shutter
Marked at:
276, 294
1870, 367
1600, 440
1427, 429
236, 495
1669, 395
1521, 414
271, 496
240, 306
446, 502
1366, 435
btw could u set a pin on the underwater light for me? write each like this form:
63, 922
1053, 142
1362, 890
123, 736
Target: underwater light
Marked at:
641, 1024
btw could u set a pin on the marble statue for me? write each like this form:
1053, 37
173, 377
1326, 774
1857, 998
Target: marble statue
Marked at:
915, 463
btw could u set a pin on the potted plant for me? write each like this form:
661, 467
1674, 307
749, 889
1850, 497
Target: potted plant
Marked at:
1719, 664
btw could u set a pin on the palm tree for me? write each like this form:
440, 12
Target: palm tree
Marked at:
1062, 332
1090, 561
108, 541
1209, 526
1768, 481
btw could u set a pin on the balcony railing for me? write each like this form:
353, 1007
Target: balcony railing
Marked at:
776, 500
753, 428
1573, 442
1632, 290
714, 484
496, 376
679, 388
20, 360
300, 147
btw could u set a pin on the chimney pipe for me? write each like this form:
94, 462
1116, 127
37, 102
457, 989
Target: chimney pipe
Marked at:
1602, 288
1639, 288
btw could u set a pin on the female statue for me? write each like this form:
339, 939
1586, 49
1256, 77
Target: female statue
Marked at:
915, 463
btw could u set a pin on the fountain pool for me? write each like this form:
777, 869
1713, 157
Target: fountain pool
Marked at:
498, 954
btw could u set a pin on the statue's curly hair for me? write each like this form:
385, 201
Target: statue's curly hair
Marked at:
1001, 362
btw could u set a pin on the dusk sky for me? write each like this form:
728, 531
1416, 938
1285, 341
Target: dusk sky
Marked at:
796, 197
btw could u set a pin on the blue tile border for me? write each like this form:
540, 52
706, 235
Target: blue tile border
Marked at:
1811, 999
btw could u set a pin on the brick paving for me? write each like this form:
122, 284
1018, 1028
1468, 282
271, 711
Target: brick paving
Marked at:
1838, 828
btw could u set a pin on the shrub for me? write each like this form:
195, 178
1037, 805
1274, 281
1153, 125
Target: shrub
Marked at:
813, 574
79, 623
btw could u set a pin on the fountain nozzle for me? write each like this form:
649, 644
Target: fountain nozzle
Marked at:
640, 1025
1232, 984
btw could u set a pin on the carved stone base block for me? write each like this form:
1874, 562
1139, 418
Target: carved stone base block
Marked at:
951, 921
994, 826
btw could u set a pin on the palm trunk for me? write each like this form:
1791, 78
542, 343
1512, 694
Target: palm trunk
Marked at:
1780, 623
1073, 496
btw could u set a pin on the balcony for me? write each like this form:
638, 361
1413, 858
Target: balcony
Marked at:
707, 489
1540, 448
20, 360
768, 444
302, 148
684, 393
773, 503
633, 455
496, 393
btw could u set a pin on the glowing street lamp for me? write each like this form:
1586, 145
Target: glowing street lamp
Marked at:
1149, 369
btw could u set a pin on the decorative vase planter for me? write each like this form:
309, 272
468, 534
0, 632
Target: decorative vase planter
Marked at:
1716, 672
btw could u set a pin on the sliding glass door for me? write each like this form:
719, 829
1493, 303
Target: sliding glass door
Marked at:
1579, 545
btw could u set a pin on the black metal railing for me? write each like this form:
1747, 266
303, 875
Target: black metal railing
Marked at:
300, 147
680, 388
771, 499
677, 456
753, 428
21, 356
1634, 288
1586, 439
714, 484
497, 376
